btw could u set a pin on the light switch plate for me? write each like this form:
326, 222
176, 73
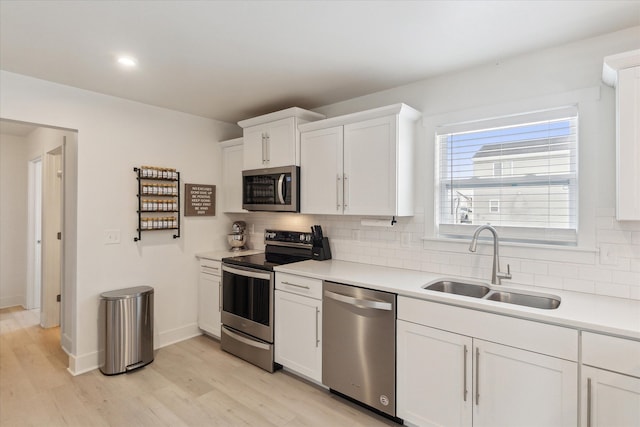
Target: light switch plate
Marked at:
111, 237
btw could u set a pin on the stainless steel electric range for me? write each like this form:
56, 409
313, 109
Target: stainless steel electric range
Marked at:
248, 293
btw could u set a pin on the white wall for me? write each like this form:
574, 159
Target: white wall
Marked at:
607, 261
13, 220
114, 135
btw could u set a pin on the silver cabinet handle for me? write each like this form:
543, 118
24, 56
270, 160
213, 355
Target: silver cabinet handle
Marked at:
464, 385
588, 402
345, 191
338, 179
477, 375
267, 153
264, 148
358, 302
220, 297
296, 285
317, 322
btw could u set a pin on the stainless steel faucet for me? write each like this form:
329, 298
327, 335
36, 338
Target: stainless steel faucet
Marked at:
496, 274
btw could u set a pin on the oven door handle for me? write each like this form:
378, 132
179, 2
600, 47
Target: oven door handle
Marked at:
246, 341
246, 272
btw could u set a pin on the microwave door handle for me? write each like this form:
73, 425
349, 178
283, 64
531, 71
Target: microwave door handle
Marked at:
281, 189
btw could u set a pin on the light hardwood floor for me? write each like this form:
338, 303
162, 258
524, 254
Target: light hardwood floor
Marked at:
192, 383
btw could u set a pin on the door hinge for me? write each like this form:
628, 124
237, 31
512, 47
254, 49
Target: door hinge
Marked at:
58, 298
59, 235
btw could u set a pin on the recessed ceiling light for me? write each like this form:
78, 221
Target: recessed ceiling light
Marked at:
127, 61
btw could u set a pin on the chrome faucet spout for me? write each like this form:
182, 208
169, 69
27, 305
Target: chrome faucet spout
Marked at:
496, 274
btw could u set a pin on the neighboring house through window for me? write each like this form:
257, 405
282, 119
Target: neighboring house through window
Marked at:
517, 172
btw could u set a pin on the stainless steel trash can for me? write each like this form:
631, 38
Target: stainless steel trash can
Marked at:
125, 329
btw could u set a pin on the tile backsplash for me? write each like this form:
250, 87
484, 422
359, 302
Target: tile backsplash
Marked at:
612, 268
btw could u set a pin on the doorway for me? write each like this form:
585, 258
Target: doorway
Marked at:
34, 269
52, 214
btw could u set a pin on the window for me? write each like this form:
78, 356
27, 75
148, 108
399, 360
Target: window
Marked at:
518, 173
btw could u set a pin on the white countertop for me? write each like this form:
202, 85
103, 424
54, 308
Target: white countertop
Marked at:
218, 255
588, 312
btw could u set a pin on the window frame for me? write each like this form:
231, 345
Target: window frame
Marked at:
535, 235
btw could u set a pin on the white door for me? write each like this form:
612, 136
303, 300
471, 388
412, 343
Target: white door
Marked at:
515, 387
370, 167
609, 399
253, 148
34, 291
209, 316
281, 143
232, 178
434, 376
297, 334
321, 171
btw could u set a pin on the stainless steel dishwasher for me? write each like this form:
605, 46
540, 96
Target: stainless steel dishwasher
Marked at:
359, 345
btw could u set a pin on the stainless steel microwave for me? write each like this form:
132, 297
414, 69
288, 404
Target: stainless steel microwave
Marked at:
271, 189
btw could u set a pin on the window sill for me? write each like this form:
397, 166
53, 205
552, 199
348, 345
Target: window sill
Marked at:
536, 246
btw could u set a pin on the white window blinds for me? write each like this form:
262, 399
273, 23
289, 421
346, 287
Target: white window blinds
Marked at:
518, 173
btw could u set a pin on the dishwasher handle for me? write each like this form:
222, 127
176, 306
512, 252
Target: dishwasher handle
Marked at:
358, 302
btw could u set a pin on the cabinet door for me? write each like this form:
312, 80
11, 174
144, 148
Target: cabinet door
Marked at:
628, 144
609, 399
370, 167
209, 288
514, 387
298, 329
281, 143
253, 148
321, 171
232, 158
434, 376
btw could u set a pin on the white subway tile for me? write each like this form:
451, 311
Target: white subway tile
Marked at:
626, 278
534, 267
613, 290
587, 286
563, 270
592, 273
614, 236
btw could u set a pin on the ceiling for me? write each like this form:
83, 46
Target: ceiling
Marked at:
231, 60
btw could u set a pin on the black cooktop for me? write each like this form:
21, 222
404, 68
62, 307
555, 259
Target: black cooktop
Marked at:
283, 247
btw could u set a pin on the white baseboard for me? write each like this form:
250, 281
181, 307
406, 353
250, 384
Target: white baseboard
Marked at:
173, 336
88, 362
12, 301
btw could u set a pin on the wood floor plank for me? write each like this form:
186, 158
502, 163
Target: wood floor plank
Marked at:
191, 383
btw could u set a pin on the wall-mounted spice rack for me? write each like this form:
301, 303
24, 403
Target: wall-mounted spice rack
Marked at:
158, 200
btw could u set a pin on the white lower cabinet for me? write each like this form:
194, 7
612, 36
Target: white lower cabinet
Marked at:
609, 399
209, 291
434, 376
298, 325
610, 381
459, 379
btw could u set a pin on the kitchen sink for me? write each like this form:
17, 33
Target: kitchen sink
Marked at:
459, 288
535, 301
489, 293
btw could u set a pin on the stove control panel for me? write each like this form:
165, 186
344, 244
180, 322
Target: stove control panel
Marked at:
271, 236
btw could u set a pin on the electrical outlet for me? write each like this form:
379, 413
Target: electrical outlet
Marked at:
111, 237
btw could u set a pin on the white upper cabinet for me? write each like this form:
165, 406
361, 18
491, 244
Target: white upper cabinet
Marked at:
359, 164
623, 72
232, 155
273, 140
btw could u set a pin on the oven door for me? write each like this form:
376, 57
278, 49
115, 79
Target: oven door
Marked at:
247, 301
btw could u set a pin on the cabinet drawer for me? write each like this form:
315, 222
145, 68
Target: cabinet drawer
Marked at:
208, 266
299, 285
611, 353
542, 338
